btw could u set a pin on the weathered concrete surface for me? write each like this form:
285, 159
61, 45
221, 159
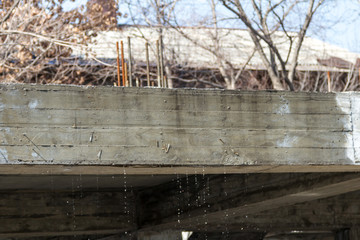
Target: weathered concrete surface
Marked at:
105, 160
50, 182
143, 128
57, 213
250, 203
202, 202
175, 235
339, 212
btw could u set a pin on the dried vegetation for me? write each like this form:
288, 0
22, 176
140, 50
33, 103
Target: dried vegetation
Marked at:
38, 40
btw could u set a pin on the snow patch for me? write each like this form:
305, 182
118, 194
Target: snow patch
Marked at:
34, 155
284, 108
33, 104
287, 141
343, 104
355, 117
186, 235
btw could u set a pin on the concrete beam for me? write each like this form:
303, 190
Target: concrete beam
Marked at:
219, 199
108, 126
55, 213
329, 214
136, 170
238, 201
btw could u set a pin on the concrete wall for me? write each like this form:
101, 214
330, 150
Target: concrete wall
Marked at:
110, 126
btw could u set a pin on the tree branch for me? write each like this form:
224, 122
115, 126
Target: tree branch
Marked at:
6, 17
301, 35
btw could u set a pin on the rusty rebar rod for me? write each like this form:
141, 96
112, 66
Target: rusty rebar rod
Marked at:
329, 81
123, 64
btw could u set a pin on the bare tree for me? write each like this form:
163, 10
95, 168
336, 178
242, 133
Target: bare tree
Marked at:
162, 16
155, 13
102, 13
270, 17
229, 72
38, 40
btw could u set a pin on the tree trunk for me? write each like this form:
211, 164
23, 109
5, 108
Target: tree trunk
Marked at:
170, 83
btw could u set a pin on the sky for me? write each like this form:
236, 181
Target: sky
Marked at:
337, 21
344, 24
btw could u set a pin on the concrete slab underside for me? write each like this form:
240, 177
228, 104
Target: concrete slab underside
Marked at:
100, 161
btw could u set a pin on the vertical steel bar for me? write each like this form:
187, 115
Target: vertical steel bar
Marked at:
329, 81
130, 62
161, 62
123, 64
126, 75
147, 64
118, 63
158, 63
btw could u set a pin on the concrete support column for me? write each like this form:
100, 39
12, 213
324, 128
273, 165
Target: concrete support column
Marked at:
342, 234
